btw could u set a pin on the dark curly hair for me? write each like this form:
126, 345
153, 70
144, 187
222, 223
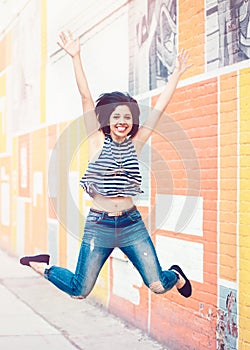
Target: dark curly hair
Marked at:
107, 103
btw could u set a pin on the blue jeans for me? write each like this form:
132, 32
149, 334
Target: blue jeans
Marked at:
102, 233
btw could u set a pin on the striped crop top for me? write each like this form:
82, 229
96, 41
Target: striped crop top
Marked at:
116, 171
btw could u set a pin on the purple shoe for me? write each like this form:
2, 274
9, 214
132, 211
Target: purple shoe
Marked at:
42, 258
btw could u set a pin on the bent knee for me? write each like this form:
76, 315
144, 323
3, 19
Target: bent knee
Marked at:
78, 297
78, 293
157, 287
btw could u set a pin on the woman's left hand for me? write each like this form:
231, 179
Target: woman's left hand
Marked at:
181, 63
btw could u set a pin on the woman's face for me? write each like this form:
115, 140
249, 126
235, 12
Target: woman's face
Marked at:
121, 123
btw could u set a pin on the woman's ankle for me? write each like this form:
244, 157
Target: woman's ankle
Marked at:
181, 281
38, 267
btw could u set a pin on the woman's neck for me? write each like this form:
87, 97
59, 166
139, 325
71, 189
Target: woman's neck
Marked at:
117, 139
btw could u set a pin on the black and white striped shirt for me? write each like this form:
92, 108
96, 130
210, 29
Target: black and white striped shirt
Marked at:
116, 171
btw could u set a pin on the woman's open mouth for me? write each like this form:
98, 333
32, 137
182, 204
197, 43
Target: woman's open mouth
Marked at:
121, 128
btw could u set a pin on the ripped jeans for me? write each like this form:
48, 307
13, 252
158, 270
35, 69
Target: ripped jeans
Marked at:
102, 233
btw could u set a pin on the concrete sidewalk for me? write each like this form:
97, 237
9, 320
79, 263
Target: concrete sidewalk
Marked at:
34, 315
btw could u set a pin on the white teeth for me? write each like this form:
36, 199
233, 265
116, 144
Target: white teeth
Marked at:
121, 128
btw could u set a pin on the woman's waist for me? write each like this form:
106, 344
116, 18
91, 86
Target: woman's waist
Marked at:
118, 214
112, 204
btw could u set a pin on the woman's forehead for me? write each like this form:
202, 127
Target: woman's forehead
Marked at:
122, 109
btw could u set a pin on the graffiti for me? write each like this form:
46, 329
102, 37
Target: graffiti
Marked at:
228, 25
227, 329
143, 27
244, 13
156, 43
163, 48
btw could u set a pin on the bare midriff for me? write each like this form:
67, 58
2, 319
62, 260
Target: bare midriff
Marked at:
111, 204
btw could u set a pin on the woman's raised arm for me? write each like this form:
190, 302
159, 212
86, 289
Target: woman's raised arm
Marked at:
72, 47
147, 128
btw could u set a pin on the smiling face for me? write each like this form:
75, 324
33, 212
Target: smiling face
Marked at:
121, 123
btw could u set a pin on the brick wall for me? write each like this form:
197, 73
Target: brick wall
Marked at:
195, 166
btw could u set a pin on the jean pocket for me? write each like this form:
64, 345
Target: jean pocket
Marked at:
134, 216
94, 218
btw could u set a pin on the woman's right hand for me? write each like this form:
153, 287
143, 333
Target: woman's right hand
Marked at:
68, 44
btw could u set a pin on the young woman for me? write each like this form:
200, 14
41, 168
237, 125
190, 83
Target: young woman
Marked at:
112, 179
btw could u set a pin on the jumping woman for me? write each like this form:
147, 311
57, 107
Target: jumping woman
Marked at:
112, 179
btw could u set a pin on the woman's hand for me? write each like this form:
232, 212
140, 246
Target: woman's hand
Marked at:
181, 63
68, 44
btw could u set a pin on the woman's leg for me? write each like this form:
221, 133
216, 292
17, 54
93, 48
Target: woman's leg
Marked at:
90, 262
144, 258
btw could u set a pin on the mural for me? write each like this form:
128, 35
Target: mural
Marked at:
227, 328
155, 38
228, 32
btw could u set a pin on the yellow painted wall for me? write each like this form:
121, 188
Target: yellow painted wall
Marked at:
244, 204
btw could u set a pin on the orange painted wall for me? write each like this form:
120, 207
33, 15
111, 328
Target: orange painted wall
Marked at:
196, 116
191, 29
228, 177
